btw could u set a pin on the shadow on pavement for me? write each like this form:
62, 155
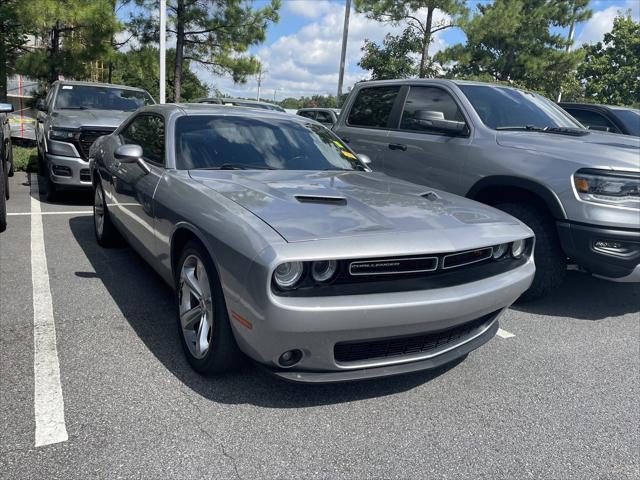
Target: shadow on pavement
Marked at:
585, 297
147, 304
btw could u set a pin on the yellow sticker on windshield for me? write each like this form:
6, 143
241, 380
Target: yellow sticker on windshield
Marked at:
348, 154
338, 144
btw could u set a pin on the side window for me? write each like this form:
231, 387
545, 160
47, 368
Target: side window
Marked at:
592, 119
372, 107
148, 132
308, 114
48, 98
324, 117
429, 99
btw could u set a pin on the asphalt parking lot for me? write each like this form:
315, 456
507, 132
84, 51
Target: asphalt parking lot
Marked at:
559, 398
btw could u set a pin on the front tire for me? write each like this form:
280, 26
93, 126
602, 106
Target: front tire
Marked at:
203, 322
551, 262
105, 232
3, 199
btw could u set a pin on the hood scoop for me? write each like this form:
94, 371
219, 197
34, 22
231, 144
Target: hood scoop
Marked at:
321, 199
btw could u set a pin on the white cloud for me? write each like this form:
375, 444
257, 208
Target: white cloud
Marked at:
311, 8
307, 61
602, 21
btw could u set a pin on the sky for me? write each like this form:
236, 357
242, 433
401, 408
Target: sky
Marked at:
301, 54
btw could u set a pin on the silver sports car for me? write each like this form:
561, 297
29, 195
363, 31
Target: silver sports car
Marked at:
280, 243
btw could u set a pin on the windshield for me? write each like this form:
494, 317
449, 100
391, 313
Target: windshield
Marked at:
631, 119
81, 97
208, 141
500, 107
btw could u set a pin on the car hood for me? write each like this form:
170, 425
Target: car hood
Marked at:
304, 205
594, 150
88, 118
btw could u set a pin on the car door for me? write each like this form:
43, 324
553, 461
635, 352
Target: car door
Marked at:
134, 184
422, 154
366, 125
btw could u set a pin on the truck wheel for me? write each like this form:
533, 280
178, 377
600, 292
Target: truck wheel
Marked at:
551, 262
203, 322
52, 191
3, 200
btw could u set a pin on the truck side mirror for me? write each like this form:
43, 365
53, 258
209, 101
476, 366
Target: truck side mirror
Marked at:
41, 105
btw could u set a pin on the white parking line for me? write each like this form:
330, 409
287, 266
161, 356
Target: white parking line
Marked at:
504, 334
49, 405
68, 212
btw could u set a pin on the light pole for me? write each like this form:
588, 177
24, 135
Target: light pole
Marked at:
343, 54
163, 53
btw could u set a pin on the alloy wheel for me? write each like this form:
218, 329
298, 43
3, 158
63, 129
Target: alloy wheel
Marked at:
195, 306
98, 211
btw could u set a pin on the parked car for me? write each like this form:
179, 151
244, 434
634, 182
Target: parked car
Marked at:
577, 189
70, 119
6, 161
606, 118
241, 102
326, 116
280, 244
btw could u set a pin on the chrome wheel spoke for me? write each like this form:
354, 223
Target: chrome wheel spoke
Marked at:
189, 278
190, 317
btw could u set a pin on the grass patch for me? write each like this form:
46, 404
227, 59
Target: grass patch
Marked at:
25, 159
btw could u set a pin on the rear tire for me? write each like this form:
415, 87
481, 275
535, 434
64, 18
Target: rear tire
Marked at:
3, 199
106, 234
210, 347
551, 262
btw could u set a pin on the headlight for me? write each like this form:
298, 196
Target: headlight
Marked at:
622, 190
517, 248
63, 135
324, 270
288, 274
500, 250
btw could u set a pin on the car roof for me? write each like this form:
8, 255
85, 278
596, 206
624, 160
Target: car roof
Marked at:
316, 109
222, 110
435, 81
236, 100
596, 105
97, 84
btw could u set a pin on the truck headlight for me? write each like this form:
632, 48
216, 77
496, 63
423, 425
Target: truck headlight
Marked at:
608, 188
62, 135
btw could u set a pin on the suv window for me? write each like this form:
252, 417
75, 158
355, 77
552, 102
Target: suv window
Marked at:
372, 107
324, 117
592, 119
431, 99
308, 114
148, 132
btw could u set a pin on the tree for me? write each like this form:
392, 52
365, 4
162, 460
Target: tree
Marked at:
214, 33
513, 41
409, 11
611, 70
392, 59
141, 68
74, 32
13, 37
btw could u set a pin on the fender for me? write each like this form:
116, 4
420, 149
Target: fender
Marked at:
549, 198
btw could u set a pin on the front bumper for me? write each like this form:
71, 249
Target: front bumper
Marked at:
69, 172
315, 325
579, 244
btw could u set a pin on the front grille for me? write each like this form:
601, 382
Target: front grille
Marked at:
85, 175
346, 352
86, 139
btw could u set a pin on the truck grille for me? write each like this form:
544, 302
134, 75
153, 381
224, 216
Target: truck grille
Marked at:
346, 352
86, 139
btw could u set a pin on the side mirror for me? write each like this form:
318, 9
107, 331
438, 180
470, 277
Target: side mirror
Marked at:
41, 105
599, 128
131, 154
435, 120
6, 108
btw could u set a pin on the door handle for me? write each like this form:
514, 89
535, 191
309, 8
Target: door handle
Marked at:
397, 146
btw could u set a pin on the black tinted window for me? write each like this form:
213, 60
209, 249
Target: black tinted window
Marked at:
324, 117
592, 119
372, 106
82, 97
207, 141
148, 132
428, 99
308, 114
